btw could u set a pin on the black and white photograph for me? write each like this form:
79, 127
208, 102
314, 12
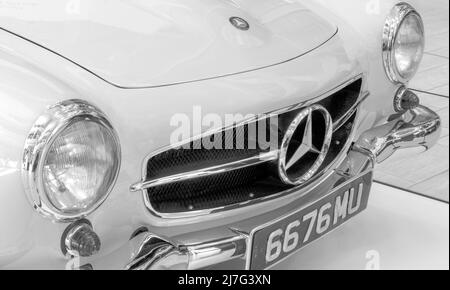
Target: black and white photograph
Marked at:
240, 137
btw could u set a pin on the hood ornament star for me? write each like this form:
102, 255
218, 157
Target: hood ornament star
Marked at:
240, 23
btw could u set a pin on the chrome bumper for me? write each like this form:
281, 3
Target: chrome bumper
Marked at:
419, 127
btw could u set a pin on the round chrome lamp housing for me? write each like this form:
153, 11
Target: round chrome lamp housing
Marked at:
71, 161
403, 43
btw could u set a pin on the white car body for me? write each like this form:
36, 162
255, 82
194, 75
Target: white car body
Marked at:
141, 62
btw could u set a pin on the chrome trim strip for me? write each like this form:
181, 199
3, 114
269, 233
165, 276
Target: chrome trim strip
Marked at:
338, 124
211, 253
251, 120
151, 252
312, 183
252, 161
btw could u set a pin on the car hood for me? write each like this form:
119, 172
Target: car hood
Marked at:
142, 43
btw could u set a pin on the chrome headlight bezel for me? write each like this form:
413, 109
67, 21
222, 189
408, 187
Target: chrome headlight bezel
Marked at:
40, 139
393, 24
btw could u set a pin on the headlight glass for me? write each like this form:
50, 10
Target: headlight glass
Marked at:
71, 160
409, 46
403, 43
79, 167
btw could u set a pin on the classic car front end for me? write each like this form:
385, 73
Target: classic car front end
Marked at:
94, 175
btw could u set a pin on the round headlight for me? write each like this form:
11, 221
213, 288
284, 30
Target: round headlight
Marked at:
71, 160
403, 43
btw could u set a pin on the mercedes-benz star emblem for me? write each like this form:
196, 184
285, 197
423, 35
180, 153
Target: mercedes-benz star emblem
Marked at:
305, 145
239, 23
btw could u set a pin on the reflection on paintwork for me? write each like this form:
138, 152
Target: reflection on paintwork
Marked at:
8, 167
163, 39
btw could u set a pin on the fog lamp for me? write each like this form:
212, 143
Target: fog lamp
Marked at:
80, 240
405, 100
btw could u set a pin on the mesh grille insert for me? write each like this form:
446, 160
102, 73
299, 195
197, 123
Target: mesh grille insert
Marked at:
244, 184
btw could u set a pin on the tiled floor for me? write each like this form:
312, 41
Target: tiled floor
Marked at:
385, 230
428, 173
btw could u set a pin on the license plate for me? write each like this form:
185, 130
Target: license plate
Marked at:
273, 242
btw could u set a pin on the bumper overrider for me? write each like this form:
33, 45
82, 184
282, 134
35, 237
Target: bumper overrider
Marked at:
413, 128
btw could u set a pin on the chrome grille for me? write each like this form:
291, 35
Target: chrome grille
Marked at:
184, 182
